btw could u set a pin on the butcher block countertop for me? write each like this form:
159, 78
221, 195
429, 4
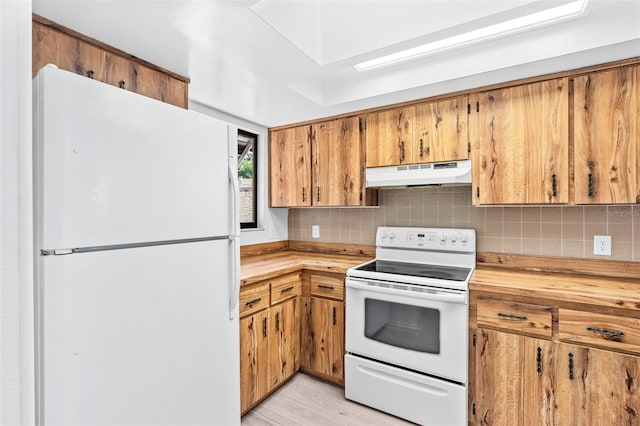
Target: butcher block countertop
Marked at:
267, 266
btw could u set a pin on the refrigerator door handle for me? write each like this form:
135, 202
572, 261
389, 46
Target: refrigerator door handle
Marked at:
234, 290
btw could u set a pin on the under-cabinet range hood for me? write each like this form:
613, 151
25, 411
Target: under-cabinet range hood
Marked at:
449, 173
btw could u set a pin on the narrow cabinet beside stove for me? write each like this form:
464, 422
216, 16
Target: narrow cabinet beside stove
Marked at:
269, 336
556, 360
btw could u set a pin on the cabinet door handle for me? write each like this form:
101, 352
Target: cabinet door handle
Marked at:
90, 74
539, 360
264, 327
286, 290
334, 315
608, 333
326, 287
304, 197
121, 84
590, 185
250, 303
510, 316
402, 151
421, 147
554, 185
277, 321
318, 194
570, 366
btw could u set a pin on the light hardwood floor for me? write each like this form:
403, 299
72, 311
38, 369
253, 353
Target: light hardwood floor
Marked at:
305, 400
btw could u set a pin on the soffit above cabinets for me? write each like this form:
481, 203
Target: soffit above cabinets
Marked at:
276, 62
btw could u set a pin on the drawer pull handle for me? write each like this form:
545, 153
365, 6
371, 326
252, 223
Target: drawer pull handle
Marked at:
286, 290
539, 361
570, 366
334, 316
326, 287
277, 321
610, 333
510, 316
250, 303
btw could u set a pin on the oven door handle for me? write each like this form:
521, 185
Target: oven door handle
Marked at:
433, 294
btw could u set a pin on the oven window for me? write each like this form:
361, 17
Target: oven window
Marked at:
403, 326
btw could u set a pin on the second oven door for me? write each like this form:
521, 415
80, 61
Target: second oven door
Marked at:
422, 331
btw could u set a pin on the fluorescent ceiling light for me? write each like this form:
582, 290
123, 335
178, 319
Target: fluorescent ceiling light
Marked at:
513, 26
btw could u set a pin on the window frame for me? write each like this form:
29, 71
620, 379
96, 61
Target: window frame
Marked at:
244, 133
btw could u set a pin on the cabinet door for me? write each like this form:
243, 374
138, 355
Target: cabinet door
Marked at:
514, 379
441, 131
607, 137
520, 144
390, 137
596, 387
337, 163
284, 353
254, 356
324, 341
290, 167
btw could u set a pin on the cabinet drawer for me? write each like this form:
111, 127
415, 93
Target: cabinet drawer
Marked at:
515, 317
587, 328
286, 289
254, 298
327, 286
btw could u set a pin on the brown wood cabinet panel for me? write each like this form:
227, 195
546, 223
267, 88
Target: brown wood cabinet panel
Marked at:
254, 358
323, 348
520, 144
284, 341
290, 167
604, 331
254, 298
68, 50
390, 137
515, 317
286, 289
607, 137
327, 286
441, 132
337, 163
596, 388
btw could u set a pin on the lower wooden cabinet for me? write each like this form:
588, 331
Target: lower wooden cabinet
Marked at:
324, 339
254, 356
284, 341
525, 380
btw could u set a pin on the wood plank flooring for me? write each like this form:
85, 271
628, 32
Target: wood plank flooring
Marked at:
305, 400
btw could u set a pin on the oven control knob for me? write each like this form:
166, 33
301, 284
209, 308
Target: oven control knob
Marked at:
392, 236
453, 238
443, 238
383, 236
464, 238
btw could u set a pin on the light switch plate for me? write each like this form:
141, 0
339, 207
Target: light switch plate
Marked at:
315, 231
602, 245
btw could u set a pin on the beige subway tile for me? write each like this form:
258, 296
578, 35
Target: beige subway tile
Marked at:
369, 238
591, 229
551, 247
390, 216
460, 224
430, 214
462, 199
551, 214
489, 244
621, 250
619, 214
512, 245
445, 217
493, 214
636, 236
430, 201
404, 197
417, 216
636, 214
512, 230
512, 214
366, 217
621, 232
532, 246
378, 217
531, 230
572, 231
551, 231
572, 248
390, 198
595, 214
531, 214
572, 214
461, 214
404, 216
493, 229
445, 200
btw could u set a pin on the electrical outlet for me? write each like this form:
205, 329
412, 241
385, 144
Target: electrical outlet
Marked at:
602, 245
315, 231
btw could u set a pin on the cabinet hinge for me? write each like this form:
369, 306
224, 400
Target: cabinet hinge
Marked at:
468, 108
474, 339
473, 408
360, 125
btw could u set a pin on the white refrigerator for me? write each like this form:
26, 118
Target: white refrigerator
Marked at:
137, 259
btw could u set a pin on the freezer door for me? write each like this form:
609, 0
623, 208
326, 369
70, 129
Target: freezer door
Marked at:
138, 336
114, 167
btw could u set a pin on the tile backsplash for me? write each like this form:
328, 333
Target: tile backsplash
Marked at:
547, 231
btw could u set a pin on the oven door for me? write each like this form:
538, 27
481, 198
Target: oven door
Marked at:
418, 328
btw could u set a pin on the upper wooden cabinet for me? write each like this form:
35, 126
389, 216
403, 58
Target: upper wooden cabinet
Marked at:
424, 133
71, 51
319, 165
607, 137
520, 140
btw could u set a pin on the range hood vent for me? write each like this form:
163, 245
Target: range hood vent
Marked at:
449, 173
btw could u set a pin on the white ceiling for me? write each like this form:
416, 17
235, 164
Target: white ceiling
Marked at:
276, 62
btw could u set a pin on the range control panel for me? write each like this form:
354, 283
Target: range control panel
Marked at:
449, 239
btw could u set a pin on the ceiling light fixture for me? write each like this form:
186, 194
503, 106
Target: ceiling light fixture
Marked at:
512, 26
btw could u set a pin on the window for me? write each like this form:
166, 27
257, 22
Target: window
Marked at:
247, 175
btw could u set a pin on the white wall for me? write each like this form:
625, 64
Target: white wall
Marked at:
16, 268
272, 223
